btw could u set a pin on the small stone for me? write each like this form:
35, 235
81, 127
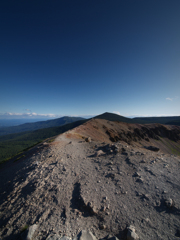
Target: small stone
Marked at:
110, 175
102, 227
136, 174
146, 196
152, 148
140, 180
57, 237
146, 220
169, 202
123, 192
113, 238
88, 139
131, 235
64, 238
103, 209
99, 153
116, 150
86, 235
143, 161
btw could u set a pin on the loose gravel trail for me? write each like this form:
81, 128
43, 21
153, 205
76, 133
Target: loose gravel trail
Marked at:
71, 185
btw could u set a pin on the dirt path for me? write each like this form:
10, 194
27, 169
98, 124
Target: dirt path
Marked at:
65, 188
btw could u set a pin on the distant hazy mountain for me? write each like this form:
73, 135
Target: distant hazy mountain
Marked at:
38, 125
16, 122
141, 120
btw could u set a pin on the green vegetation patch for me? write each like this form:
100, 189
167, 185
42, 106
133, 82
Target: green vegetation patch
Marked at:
24, 228
13, 144
173, 147
19, 158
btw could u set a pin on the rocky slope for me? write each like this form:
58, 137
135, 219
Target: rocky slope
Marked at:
83, 181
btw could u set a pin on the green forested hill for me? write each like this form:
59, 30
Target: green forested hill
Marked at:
38, 125
14, 143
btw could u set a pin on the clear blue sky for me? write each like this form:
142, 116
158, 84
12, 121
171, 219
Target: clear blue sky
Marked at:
77, 57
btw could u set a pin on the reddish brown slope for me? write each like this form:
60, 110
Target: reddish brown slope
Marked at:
167, 138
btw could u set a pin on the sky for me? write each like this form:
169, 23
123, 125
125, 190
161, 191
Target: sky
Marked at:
83, 58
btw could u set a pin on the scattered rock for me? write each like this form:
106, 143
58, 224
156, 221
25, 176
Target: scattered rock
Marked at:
65, 238
152, 148
164, 192
146, 196
113, 238
143, 161
110, 175
140, 180
86, 235
131, 235
124, 192
99, 153
88, 139
28, 233
57, 237
116, 151
169, 203
102, 226
70, 191
136, 174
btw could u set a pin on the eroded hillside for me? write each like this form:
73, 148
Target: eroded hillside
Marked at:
83, 181
165, 137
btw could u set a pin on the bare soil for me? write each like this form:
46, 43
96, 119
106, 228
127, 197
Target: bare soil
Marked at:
66, 186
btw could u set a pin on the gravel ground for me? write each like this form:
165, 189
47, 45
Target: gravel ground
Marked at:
73, 185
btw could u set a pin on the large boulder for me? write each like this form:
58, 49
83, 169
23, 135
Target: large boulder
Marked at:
86, 235
57, 237
131, 235
28, 233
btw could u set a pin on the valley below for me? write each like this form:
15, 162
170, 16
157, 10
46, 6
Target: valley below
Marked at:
112, 179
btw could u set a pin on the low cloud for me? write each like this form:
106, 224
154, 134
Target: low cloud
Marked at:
118, 113
83, 116
171, 99
33, 115
10, 115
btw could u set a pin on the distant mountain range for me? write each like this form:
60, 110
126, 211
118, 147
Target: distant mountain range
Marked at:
18, 138
107, 116
16, 122
140, 120
38, 125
